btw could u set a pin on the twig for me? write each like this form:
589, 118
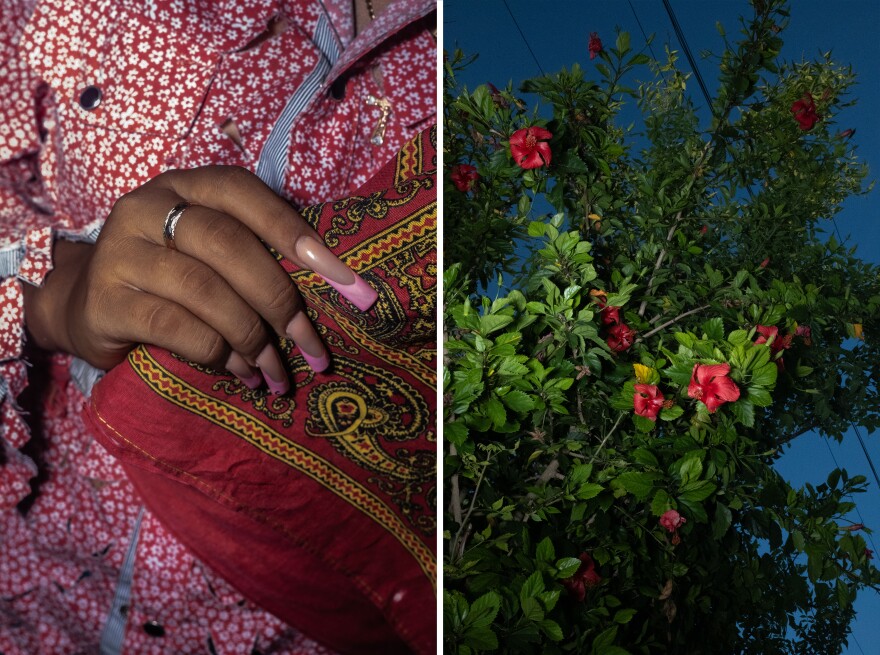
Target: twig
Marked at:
671, 322
458, 543
455, 502
607, 437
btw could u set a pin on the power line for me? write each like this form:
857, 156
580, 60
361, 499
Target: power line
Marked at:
679, 33
858, 513
525, 40
642, 29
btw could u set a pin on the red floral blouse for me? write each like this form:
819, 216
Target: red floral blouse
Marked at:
96, 98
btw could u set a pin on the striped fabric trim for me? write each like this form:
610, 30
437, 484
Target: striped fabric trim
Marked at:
114, 630
10, 261
84, 375
272, 165
12, 256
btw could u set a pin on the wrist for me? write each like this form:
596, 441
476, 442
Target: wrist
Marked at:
46, 308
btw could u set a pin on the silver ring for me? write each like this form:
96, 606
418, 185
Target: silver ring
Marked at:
171, 223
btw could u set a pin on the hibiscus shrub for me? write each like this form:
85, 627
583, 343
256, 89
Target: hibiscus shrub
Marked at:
677, 315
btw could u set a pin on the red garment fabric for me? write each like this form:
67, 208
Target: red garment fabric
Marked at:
61, 170
318, 505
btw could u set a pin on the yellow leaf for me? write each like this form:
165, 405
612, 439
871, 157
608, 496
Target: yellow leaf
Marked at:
594, 217
643, 373
857, 330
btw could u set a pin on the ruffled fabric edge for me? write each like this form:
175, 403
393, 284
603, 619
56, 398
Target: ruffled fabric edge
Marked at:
27, 262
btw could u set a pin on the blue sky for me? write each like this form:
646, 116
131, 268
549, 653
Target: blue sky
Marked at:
558, 33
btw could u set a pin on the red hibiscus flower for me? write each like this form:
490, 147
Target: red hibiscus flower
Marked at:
527, 150
804, 112
711, 386
595, 45
779, 343
585, 578
805, 333
463, 177
648, 400
610, 315
620, 337
672, 520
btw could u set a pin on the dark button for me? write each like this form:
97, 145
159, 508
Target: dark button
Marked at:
337, 89
90, 98
154, 629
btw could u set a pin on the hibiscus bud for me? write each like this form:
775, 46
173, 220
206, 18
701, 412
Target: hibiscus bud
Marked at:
704, 229
854, 527
869, 554
847, 133
498, 99
595, 45
764, 263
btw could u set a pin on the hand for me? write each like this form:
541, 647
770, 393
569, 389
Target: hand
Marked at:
212, 300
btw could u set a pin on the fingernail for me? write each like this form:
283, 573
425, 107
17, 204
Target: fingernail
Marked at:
309, 343
272, 369
320, 259
237, 365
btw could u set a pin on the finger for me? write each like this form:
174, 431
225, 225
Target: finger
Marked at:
155, 320
250, 284
241, 194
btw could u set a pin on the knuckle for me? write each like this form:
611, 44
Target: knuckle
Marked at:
225, 237
252, 337
161, 321
213, 351
232, 177
199, 282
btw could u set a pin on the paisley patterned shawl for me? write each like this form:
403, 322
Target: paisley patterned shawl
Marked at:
319, 505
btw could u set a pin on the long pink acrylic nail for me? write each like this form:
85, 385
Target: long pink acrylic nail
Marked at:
270, 365
237, 365
339, 276
309, 343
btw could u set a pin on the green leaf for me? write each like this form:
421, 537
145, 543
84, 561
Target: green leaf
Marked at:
481, 639
622, 43
738, 338
496, 412
745, 412
766, 375
567, 567
671, 413
589, 490
638, 484
551, 629
660, 503
533, 586
545, 551
492, 322
645, 457
531, 609
714, 328
483, 610
605, 639
691, 467
579, 474
697, 491
722, 521
624, 616
518, 401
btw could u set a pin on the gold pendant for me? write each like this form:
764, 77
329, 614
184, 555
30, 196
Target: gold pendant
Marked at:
377, 138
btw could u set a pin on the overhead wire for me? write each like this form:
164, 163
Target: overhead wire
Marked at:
525, 40
679, 33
